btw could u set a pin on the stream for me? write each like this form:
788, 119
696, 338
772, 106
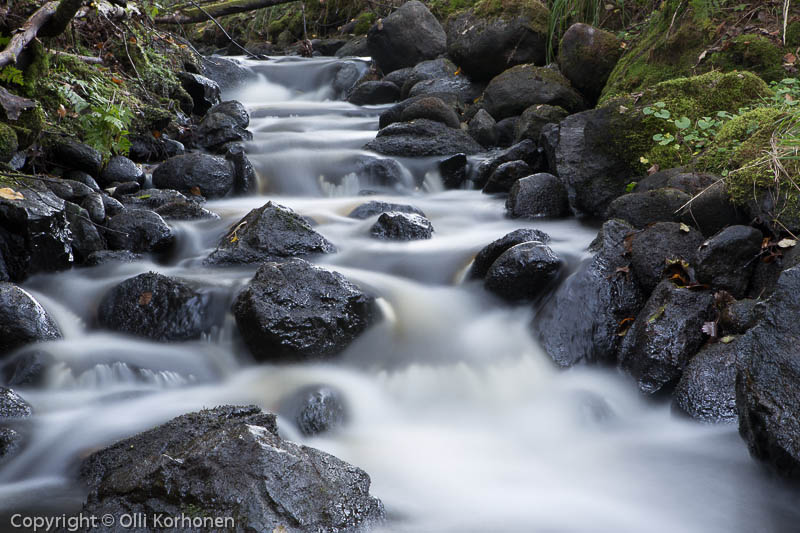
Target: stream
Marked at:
460, 418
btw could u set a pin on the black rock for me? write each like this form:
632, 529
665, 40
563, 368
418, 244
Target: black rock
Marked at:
587, 56
82, 177
691, 183
398, 226
295, 310
315, 409
356, 47
112, 256
156, 307
431, 108
120, 169
526, 151
384, 172
245, 181
707, 388
185, 211
94, 206
653, 249
666, 334
269, 233
727, 260
12, 405
459, 88
72, 155
533, 120
539, 195
227, 73
26, 368
234, 110
506, 131
400, 76
395, 113
218, 128
482, 127
453, 171
139, 230
212, 176
375, 93
520, 87
409, 35
371, 209
713, 210
582, 322
204, 91
129, 187
148, 149
741, 315
22, 320
71, 191
85, 237
493, 250
427, 70
523, 271
152, 198
229, 462
328, 47
506, 175
422, 138
643, 208
112, 206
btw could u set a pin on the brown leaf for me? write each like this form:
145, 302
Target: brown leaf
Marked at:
10, 194
196, 191
145, 297
652, 170
62, 111
117, 80
790, 59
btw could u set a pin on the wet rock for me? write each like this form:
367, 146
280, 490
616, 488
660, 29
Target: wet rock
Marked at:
643, 208
409, 35
581, 323
740, 315
707, 388
453, 171
431, 108
347, 76
227, 73
422, 138
34, 233
152, 198
655, 246
667, 333
93, 204
71, 191
491, 252
485, 45
394, 113
400, 76
587, 56
384, 172
212, 176
767, 400
315, 409
120, 169
526, 151
85, 237
328, 47
147, 149
229, 461
269, 233
26, 368
676, 178
218, 128
112, 206
123, 189
713, 210
185, 211
523, 271
82, 177
139, 230
505, 131
726, 260
356, 47
371, 209
12, 407
401, 227
112, 256
156, 307
72, 155
234, 110
458, 87
245, 181
428, 70
374, 93
539, 195
295, 311
204, 91
482, 127
22, 320
520, 87
533, 119
506, 175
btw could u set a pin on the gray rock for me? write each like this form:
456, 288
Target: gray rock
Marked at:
493, 250
520, 87
374, 93
139, 230
587, 56
315, 409
431, 108
707, 388
22, 320
383, 172
482, 127
398, 226
112, 256
727, 260
523, 271
533, 119
526, 151
539, 195
422, 138
371, 209
227, 73
94, 206
409, 35
506, 175
643, 208
185, 211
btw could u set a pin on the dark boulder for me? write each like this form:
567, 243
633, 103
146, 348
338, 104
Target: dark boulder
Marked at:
409, 35
185, 211
691, 183
356, 47
204, 91
400, 76
428, 70
120, 169
523, 271
526, 151
23, 320
422, 138
587, 56
643, 208
460, 88
453, 171
85, 237
229, 462
707, 388
497, 36
374, 93
71, 191
371, 209
82, 177
539, 195
520, 87
727, 260
156, 307
492, 251
656, 247
666, 334
218, 129
270, 233
482, 127
127, 188
139, 230
506, 129
740, 315
315, 409
530, 123
12, 408
401, 227
94, 206
431, 108
152, 198
72, 155
394, 113
234, 110
713, 210
212, 176
295, 311
245, 180
148, 149
383, 172
583, 320
506, 175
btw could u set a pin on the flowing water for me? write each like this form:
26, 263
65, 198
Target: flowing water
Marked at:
456, 413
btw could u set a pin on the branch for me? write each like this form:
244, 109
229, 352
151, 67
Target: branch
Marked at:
239, 46
58, 22
220, 9
27, 33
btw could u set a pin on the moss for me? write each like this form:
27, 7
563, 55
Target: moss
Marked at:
443, 9
364, 22
751, 52
793, 34
8, 142
38, 69
534, 10
29, 125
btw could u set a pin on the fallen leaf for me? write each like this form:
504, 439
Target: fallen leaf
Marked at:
684, 228
62, 111
710, 328
655, 316
156, 134
727, 339
10, 194
652, 170
623, 45
790, 59
196, 191
624, 270
787, 243
117, 80
145, 298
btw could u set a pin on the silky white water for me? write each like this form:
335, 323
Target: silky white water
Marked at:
459, 417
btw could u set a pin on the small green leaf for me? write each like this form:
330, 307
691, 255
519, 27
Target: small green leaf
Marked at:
683, 123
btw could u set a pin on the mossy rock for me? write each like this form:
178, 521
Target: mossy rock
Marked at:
363, 23
755, 53
8, 142
533, 10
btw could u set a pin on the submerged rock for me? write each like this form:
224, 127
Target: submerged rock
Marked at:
271, 232
523, 271
370, 209
295, 311
422, 138
139, 230
229, 462
490, 253
22, 320
401, 227
707, 388
315, 409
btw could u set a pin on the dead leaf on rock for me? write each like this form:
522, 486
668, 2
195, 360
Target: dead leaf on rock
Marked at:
10, 194
787, 243
145, 298
790, 59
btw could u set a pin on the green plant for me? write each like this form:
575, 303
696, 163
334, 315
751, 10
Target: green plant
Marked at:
565, 12
13, 75
105, 122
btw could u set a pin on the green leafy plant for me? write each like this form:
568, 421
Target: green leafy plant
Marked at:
11, 74
105, 122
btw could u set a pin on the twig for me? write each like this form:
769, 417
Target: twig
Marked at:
231, 39
27, 33
85, 59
